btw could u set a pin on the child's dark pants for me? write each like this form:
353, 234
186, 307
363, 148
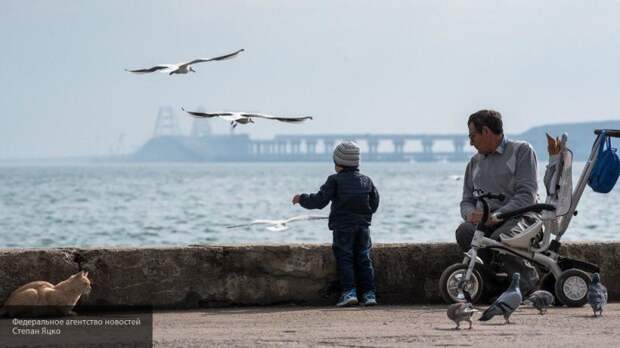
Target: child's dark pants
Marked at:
352, 251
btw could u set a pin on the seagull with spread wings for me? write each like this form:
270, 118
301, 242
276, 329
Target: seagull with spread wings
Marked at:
183, 68
280, 225
246, 117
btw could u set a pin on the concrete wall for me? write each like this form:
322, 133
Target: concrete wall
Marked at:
207, 276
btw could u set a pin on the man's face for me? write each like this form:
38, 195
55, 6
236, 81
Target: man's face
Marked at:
480, 140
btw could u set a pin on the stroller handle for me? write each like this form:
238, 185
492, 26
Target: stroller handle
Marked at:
615, 133
534, 207
482, 197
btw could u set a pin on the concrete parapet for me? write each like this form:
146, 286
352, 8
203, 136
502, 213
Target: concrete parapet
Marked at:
208, 276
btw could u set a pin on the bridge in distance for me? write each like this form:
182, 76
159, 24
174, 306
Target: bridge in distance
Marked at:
375, 147
168, 144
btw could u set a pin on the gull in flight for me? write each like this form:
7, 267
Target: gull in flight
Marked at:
183, 68
280, 225
246, 117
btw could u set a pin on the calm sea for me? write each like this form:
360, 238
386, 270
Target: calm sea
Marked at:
87, 205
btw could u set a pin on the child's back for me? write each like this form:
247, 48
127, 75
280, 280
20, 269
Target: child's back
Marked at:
354, 199
353, 195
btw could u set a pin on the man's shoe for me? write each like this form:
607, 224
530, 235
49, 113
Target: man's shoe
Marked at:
369, 298
348, 298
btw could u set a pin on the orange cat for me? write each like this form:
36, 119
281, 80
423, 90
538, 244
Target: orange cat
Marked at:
40, 298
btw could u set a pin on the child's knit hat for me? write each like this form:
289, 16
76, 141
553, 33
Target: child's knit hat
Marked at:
347, 154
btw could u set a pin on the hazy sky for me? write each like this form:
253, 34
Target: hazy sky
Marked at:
357, 66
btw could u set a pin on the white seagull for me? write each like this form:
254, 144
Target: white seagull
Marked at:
280, 225
183, 68
245, 117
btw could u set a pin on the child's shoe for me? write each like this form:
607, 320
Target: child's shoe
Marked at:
369, 298
348, 298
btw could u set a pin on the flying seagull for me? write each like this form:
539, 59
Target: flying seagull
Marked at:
246, 117
280, 225
183, 68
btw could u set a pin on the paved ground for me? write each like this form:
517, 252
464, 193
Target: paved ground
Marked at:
382, 326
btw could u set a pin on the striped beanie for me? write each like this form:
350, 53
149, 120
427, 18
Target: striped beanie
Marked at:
347, 154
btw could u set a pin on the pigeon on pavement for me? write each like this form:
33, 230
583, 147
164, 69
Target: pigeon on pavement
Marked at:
462, 311
506, 303
597, 294
541, 300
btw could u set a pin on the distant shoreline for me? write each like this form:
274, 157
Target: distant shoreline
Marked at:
216, 148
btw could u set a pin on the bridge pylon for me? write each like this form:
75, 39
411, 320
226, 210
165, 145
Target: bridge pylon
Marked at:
166, 123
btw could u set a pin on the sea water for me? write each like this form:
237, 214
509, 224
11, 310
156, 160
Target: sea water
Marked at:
137, 204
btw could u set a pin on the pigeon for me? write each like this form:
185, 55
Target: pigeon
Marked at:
597, 294
462, 311
246, 117
280, 225
506, 303
183, 68
540, 299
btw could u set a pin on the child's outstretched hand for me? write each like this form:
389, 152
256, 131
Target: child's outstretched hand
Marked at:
296, 199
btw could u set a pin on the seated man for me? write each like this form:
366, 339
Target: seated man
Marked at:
501, 166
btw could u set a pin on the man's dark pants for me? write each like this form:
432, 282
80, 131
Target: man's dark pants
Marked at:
512, 264
351, 248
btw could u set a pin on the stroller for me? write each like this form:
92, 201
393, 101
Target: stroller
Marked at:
531, 239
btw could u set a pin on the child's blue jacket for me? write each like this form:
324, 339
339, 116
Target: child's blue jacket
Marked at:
353, 195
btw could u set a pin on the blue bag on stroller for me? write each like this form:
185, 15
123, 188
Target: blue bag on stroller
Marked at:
607, 167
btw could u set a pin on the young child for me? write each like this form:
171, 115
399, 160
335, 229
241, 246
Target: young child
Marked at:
354, 199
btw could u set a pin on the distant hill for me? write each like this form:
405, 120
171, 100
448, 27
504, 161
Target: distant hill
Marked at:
580, 137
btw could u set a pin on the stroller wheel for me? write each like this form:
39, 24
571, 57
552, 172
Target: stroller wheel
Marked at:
571, 288
449, 281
